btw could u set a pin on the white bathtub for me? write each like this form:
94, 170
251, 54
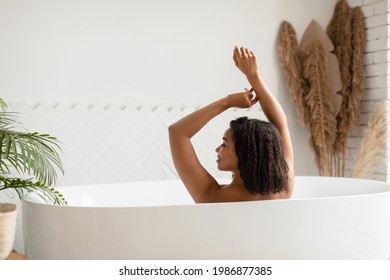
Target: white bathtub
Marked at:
328, 218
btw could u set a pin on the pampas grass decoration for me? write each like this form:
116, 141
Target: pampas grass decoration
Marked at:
372, 149
339, 24
358, 43
339, 32
317, 91
323, 123
290, 54
315, 32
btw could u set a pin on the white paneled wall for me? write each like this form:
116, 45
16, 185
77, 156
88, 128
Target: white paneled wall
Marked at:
117, 143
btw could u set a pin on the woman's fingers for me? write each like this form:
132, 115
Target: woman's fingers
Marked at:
235, 57
251, 98
250, 94
237, 52
243, 52
254, 101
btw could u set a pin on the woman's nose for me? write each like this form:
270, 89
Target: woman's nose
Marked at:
217, 149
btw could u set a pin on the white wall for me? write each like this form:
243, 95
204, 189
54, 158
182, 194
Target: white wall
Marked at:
171, 52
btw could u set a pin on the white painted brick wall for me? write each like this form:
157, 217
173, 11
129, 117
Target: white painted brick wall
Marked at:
377, 71
370, 2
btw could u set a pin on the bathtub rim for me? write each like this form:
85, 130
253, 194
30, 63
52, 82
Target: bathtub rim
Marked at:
26, 198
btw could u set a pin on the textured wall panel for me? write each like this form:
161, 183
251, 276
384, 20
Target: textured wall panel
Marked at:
116, 143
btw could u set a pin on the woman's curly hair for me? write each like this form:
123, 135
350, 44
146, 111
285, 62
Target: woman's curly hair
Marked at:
260, 156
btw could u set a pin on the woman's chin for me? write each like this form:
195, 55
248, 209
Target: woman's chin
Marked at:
220, 168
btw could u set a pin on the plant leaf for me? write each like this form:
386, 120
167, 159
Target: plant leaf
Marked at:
23, 186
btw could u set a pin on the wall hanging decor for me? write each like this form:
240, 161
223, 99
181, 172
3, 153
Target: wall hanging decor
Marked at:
347, 32
313, 80
325, 77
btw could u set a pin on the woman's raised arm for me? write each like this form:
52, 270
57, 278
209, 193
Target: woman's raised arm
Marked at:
246, 61
200, 184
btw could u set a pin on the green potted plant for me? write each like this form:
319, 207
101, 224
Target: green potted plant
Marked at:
29, 162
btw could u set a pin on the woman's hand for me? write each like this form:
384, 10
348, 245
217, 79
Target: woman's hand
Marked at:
242, 99
246, 61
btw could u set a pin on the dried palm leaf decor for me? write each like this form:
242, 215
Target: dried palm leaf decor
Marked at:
325, 77
372, 149
291, 65
347, 32
314, 69
323, 123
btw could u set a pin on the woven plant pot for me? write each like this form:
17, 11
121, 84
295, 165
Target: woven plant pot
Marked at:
8, 216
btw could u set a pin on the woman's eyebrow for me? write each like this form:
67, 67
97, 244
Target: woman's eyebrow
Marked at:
224, 138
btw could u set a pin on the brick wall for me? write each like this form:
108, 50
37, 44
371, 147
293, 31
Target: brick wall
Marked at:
377, 70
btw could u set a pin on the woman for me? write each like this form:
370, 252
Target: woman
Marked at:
260, 154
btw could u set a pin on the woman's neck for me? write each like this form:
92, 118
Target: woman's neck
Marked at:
237, 180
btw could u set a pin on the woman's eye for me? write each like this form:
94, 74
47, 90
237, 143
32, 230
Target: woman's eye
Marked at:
223, 145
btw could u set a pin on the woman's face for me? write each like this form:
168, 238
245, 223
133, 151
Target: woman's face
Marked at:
227, 159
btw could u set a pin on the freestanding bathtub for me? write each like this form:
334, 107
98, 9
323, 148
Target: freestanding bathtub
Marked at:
327, 218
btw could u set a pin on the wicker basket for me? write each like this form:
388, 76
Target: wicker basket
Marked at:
8, 216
